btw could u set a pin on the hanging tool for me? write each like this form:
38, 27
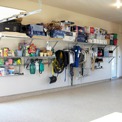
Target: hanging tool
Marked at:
53, 78
71, 73
83, 59
32, 67
41, 67
93, 58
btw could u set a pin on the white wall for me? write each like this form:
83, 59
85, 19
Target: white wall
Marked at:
29, 83
119, 54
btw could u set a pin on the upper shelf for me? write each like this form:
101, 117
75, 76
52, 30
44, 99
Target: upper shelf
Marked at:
46, 38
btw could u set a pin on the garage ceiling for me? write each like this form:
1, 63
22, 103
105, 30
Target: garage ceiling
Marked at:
96, 8
102, 9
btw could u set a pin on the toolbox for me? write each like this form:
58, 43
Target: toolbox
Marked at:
11, 26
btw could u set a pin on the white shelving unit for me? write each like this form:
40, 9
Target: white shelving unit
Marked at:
55, 40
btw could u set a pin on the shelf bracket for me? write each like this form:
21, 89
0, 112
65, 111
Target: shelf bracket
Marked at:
55, 45
111, 60
91, 46
49, 62
105, 46
115, 48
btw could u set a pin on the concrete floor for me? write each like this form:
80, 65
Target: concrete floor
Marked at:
81, 104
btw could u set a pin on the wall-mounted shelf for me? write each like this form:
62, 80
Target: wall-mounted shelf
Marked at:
12, 57
39, 57
48, 58
47, 38
83, 43
11, 65
106, 57
19, 74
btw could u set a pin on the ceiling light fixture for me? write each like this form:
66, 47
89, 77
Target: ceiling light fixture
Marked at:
118, 4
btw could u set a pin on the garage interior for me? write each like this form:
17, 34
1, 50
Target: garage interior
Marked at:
61, 61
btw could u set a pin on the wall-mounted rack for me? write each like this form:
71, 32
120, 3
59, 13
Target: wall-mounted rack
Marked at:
39, 57
18, 65
16, 74
49, 39
27, 57
85, 44
12, 57
13, 69
47, 58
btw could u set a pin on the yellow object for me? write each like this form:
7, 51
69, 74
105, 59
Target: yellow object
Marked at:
19, 61
5, 54
1, 53
53, 68
61, 55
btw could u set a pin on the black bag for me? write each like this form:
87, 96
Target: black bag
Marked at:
62, 57
61, 61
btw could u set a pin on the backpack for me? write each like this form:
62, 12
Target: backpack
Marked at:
60, 62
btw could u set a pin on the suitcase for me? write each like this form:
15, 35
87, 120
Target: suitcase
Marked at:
10, 26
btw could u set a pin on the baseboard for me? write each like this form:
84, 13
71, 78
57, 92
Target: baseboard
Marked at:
120, 77
37, 93
117, 78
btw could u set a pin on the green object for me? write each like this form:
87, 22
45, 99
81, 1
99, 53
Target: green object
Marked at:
32, 67
53, 50
1, 61
32, 55
41, 67
115, 36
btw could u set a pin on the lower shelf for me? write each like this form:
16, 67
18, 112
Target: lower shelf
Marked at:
20, 74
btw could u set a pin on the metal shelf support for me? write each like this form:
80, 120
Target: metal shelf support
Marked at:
111, 60
105, 46
55, 45
91, 46
115, 48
